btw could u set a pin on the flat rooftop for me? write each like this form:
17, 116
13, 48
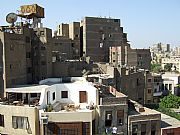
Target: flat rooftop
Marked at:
137, 109
169, 122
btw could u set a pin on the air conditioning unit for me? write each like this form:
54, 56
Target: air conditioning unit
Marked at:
44, 120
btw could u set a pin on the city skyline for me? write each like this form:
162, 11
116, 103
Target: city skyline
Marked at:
146, 23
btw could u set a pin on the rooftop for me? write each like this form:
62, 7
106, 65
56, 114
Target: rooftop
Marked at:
169, 122
137, 109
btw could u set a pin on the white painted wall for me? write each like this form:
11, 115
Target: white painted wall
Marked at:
73, 93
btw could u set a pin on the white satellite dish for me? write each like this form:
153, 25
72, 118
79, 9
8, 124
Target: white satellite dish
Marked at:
11, 18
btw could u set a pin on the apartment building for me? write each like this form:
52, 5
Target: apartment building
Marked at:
140, 58
98, 35
173, 60
18, 120
157, 83
68, 105
16, 70
72, 32
171, 82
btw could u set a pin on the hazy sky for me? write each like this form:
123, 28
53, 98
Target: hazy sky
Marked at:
146, 21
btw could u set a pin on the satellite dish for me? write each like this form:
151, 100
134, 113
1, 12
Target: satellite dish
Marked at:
11, 18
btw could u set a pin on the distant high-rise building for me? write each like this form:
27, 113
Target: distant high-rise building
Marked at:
98, 35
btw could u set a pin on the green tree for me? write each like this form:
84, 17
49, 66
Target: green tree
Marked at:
170, 101
168, 67
156, 68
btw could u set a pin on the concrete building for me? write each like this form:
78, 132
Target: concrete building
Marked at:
62, 49
112, 111
157, 83
139, 58
172, 83
174, 60
16, 70
143, 121
42, 52
169, 125
67, 105
74, 34
19, 120
98, 35
63, 30
71, 105
71, 32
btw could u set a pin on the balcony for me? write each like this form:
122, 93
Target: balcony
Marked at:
157, 94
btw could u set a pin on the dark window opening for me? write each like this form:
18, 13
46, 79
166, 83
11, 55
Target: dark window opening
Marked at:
149, 80
64, 94
27, 39
29, 70
12, 47
116, 20
1, 120
120, 117
53, 96
28, 54
143, 133
149, 90
108, 123
43, 48
153, 132
43, 63
108, 119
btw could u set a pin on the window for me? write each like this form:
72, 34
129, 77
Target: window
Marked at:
108, 118
149, 90
143, 129
53, 95
134, 128
166, 86
120, 117
12, 47
43, 63
64, 94
76, 35
153, 127
19, 122
149, 80
82, 96
29, 70
28, 54
116, 20
170, 86
1, 120
43, 48
27, 39
100, 45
